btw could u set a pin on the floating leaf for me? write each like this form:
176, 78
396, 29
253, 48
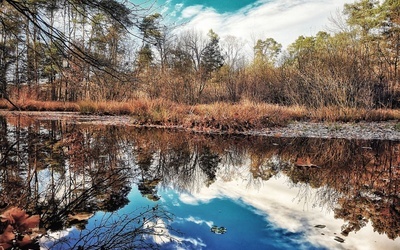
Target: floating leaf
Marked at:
338, 239
18, 223
218, 230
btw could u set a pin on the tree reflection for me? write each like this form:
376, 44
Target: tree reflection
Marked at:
66, 173
362, 177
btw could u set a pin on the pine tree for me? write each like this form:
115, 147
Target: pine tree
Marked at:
212, 58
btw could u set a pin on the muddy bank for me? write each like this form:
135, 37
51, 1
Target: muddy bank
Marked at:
387, 130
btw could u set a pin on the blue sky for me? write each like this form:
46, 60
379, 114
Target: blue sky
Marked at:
283, 20
221, 6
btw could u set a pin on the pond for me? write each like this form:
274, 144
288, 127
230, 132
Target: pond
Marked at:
79, 184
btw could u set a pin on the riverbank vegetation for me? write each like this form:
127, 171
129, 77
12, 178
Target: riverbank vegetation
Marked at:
130, 62
218, 116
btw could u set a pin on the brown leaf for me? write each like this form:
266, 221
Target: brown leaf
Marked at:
30, 222
25, 241
5, 245
303, 162
18, 214
14, 215
8, 235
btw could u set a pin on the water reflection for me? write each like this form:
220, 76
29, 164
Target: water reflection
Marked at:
67, 173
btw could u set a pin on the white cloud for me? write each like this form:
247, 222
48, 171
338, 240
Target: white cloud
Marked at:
192, 11
178, 6
200, 221
283, 20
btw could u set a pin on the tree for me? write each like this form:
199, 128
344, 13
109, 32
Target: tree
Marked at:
302, 50
156, 34
42, 32
267, 51
111, 8
263, 84
390, 48
144, 58
10, 30
377, 25
211, 57
211, 60
231, 74
363, 14
186, 58
178, 78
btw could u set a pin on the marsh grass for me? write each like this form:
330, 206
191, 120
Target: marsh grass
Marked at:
33, 105
244, 115
219, 116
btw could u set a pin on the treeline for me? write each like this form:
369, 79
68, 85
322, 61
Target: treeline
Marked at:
73, 51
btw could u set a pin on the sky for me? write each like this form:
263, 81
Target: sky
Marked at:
283, 20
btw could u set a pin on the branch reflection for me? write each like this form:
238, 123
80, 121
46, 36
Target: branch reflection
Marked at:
66, 173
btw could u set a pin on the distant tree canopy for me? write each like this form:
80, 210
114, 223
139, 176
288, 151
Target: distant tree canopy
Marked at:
113, 50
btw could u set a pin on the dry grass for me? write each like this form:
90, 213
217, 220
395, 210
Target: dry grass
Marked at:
4, 104
159, 111
218, 116
33, 105
144, 110
245, 115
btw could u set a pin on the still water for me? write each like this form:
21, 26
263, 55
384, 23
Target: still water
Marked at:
95, 186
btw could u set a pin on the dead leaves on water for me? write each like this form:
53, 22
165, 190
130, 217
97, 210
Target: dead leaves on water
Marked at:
17, 228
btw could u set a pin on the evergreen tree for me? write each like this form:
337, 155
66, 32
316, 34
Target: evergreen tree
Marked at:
211, 58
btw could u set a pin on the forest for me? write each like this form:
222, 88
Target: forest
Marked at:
110, 51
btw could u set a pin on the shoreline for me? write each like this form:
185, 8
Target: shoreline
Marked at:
384, 130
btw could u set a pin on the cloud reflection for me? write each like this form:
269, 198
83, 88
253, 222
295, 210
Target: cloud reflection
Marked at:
281, 205
161, 233
54, 237
200, 221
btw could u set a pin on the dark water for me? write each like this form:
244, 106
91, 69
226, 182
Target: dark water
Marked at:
109, 187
